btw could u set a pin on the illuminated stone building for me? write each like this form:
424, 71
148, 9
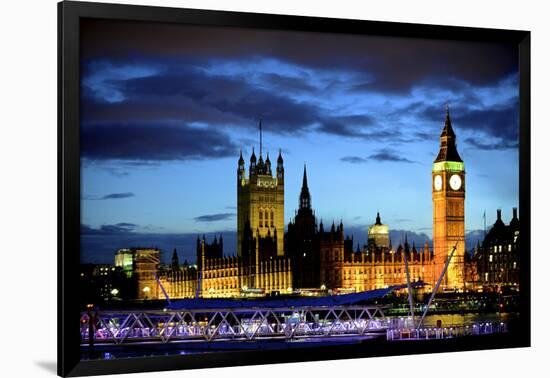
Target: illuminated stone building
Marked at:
374, 268
260, 267
498, 257
124, 259
218, 276
261, 199
207, 251
378, 234
448, 195
142, 265
270, 262
325, 258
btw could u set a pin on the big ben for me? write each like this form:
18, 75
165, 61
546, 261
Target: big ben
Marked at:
448, 195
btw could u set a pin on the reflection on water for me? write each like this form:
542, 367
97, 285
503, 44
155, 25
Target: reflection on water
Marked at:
448, 320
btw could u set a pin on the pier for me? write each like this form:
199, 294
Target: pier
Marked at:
244, 324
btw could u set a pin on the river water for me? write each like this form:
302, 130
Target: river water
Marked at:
452, 320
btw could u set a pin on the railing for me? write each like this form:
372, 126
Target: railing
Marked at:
232, 324
476, 329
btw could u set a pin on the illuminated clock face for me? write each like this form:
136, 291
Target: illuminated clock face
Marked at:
455, 182
438, 182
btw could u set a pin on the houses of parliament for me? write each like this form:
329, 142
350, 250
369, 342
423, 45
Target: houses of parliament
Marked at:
312, 257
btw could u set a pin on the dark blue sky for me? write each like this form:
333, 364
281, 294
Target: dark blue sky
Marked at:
165, 109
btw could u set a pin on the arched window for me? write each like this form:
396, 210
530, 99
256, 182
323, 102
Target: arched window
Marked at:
261, 218
271, 218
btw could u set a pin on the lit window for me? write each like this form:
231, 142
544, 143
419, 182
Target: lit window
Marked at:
509, 247
500, 248
490, 258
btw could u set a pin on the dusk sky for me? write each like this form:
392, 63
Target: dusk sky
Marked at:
166, 108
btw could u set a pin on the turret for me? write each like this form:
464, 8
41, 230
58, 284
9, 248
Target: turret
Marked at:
175, 260
514, 223
252, 163
406, 249
260, 168
240, 167
280, 168
499, 222
267, 165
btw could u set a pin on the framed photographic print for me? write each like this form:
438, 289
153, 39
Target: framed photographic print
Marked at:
241, 188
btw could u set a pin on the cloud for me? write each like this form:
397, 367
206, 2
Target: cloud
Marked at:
118, 195
140, 142
499, 122
353, 159
385, 155
498, 145
378, 62
214, 217
356, 126
187, 94
288, 83
495, 127
108, 196
108, 229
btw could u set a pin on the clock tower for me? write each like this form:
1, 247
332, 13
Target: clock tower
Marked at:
448, 195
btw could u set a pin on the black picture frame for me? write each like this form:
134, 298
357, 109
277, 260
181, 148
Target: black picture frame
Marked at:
69, 16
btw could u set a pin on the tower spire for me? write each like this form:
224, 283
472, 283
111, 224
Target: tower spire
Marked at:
260, 137
448, 128
447, 148
241, 160
305, 197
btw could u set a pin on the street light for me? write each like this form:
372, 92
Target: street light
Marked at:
114, 292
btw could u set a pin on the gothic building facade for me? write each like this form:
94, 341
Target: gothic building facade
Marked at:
498, 257
325, 258
307, 256
260, 200
260, 266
